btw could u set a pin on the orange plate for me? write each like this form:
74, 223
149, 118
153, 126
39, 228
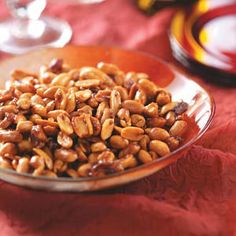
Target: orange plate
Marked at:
200, 111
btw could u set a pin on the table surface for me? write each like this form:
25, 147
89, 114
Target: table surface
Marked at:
194, 196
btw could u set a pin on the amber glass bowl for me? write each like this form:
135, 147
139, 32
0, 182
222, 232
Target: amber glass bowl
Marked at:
202, 38
200, 111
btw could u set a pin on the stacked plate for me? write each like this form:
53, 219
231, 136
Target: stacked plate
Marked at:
203, 38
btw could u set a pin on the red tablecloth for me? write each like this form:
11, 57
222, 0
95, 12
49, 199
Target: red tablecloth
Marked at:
194, 196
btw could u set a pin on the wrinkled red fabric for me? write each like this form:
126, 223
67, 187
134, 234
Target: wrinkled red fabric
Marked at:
194, 196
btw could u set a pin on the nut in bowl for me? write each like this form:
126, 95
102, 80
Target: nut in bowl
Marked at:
94, 118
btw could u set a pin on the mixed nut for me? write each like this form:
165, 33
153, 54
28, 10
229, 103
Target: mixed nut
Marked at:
90, 121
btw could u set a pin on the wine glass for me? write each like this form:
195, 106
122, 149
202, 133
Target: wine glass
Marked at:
28, 30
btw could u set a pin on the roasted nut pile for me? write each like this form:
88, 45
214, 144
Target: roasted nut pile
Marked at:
91, 121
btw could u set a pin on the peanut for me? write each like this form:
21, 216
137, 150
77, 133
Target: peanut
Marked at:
159, 147
132, 133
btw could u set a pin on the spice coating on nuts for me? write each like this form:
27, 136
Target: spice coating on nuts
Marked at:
86, 122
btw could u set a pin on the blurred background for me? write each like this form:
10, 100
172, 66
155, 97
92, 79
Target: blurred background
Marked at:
199, 34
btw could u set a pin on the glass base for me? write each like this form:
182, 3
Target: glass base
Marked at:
17, 38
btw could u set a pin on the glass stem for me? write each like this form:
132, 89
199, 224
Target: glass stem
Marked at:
27, 28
